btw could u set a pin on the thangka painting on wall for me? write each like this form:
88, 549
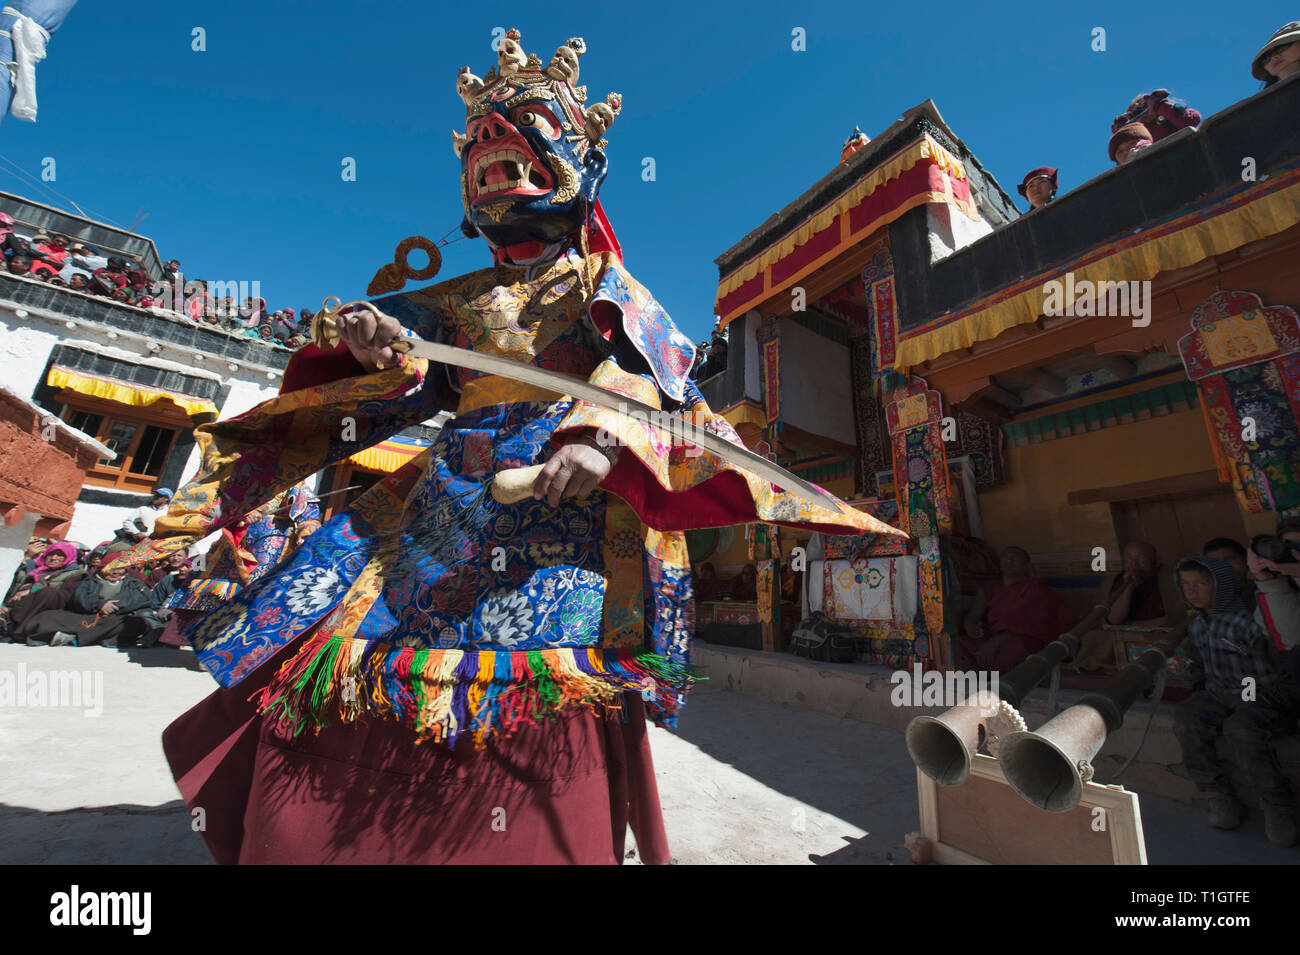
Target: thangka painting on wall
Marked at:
878, 281
915, 418
1244, 357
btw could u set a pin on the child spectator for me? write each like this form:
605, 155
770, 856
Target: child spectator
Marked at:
1241, 694
1233, 554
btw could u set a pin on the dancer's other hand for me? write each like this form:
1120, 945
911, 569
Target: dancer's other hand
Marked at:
573, 471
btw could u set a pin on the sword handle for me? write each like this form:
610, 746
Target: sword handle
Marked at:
515, 484
325, 324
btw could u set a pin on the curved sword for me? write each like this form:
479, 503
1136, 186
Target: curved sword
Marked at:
325, 334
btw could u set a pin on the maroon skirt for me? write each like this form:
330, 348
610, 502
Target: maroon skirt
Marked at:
561, 791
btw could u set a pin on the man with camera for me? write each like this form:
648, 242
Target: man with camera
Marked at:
1274, 562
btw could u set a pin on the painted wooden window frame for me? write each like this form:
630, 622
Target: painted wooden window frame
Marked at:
162, 414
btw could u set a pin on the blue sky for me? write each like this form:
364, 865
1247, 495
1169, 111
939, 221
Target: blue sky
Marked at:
235, 153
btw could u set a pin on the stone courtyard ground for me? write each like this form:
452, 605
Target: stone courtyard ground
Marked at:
742, 780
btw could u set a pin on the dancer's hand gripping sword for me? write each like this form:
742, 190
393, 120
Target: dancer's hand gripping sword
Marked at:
516, 484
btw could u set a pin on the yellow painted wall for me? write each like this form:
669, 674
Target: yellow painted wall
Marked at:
1031, 511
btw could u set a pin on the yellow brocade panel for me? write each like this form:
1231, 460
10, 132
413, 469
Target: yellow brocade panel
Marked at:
624, 611
1237, 338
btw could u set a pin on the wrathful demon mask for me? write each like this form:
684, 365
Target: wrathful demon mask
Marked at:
532, 156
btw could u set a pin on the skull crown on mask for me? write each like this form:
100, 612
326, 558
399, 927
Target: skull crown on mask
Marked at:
532, 158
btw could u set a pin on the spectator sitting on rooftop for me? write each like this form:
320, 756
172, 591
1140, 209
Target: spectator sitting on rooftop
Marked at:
697, 364
196, 293
1280, 56
15, 243
42, 270
1039, 186
284, 327
1127, 140
19, 264
1161, 115
112, 277
255, 312
87, 257
50, 249
716, 362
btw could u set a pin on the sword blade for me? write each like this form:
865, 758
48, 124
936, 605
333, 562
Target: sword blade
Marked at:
563, 384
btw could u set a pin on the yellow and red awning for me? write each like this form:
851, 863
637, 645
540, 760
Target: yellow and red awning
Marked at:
123, 392
1212, 226
919, 173
388, 455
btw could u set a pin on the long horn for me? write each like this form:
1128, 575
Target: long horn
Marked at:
1049, 767
943, 746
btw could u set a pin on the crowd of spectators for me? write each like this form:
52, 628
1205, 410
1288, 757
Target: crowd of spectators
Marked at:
710, 357
58, 260
1154, 116
61, 595
1243, 632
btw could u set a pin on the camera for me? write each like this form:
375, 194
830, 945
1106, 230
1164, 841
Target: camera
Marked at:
1277, 549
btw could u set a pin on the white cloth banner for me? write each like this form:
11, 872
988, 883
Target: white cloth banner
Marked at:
879, 589
29, 39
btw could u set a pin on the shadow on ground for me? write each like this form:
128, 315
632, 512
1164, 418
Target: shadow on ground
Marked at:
162, 657
101, 835
854, 771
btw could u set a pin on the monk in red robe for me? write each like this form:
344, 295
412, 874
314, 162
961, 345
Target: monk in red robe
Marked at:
1014, 617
